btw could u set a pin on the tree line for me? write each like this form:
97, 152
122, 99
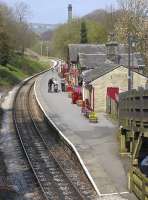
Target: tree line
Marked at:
77, 31
129, 18
15, 32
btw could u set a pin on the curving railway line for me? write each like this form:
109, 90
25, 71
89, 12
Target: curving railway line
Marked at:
50, 164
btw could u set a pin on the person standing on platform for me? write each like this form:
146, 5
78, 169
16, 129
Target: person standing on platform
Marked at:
55, 82
50, 83
63, 84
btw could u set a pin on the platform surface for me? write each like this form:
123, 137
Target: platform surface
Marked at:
96, 143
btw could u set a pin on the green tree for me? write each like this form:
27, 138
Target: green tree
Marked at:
70, 34
4, 36
64, 35
15, 33
96, 32
83, 33
4, 48
130, 20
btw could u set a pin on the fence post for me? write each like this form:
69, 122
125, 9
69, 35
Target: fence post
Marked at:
123, 140
143, 189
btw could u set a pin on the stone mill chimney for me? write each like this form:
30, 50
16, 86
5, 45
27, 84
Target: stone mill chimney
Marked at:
69, 12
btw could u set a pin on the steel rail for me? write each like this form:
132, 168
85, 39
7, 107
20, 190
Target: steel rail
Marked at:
24, 148
17, 129
25, 103
46, 146
20, 138
73, 186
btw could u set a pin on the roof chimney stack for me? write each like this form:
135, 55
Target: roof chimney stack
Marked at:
112, 49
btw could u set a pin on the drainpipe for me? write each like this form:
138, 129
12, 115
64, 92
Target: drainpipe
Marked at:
83, 90
129, 62
93, 98
90, 97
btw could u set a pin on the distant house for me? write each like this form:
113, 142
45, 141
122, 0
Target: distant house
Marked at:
89, 56
96, 82
75, 49
137, 61
91, 61
103, 66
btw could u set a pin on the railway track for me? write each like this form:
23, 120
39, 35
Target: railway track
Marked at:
56, 180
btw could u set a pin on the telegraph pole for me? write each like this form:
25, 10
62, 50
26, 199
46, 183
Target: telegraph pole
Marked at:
47, 51
41, 48
129, 62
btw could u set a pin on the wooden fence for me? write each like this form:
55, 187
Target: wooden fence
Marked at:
133, 121
133, 110
139, 184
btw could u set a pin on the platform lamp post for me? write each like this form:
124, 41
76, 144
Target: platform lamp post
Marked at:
131, 43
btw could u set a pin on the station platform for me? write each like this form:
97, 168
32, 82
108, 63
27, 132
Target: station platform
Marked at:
96, 143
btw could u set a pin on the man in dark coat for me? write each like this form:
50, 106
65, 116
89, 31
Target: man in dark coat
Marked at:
50, 82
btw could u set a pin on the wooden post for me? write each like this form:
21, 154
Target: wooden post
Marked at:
130, 173
131, 146
123, 141
143, 189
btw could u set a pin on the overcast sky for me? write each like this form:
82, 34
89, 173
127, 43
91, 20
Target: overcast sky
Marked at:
55, 11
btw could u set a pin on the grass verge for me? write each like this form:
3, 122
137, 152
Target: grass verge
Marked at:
19, 68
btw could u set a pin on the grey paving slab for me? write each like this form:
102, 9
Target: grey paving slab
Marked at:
96, 143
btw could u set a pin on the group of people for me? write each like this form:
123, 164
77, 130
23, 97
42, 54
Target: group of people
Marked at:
52, 85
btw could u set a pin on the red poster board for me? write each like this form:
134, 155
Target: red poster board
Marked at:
113, 93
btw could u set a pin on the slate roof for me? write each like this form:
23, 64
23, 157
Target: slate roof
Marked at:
91, 61
122, 48
90, 54
75, 49
136, 60
94, 56
102, 69
140, 59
